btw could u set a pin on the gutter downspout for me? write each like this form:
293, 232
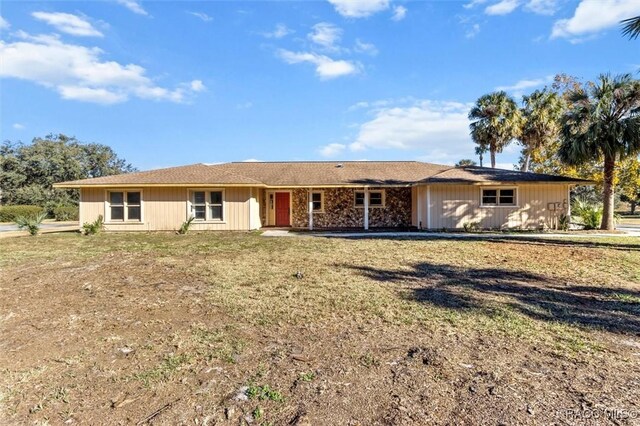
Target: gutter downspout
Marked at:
250, 208
428, 206
419, 207
366, 208
310, 195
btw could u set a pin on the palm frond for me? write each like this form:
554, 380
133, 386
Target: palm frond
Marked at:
631, 27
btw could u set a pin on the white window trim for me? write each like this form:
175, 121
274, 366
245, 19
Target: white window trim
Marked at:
321, 201
384, 198
125, 221
207, 199
500, 206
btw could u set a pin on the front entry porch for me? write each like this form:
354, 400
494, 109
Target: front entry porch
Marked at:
339, 208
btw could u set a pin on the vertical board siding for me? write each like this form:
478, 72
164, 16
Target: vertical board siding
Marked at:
92, 204
454, 205
165, 208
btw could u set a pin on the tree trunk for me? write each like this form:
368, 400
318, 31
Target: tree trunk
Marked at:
493, 158
526, 161
633, 206
607, 193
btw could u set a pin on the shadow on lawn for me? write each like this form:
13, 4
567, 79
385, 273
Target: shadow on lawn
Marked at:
534, 295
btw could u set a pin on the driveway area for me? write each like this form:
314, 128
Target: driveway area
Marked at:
11, 229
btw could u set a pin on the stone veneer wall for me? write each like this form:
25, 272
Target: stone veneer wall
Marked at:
340, 212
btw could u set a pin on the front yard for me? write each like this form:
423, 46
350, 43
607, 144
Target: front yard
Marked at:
230, 328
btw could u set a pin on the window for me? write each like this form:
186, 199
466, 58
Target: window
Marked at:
215, 205
125, 206
208, 205
499, 197
317, 200
376, 198
200, 205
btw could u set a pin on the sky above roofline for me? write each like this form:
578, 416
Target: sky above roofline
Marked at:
169, 83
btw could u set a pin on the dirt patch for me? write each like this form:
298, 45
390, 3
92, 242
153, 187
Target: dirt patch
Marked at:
233, 328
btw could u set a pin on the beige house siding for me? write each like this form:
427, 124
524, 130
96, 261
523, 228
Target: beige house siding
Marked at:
454, 205
434, 207
165, 208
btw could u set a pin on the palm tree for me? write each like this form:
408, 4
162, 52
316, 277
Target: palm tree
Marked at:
603, 122
541, 112
481, 149
497, 122
631, 27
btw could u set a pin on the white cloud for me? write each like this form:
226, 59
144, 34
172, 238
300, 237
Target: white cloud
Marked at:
472, 31
525, 84
332, 149
203, 16
252, 160
244, 105
325, 35
68, 23
280, 31
133, 6
399, 13
542, 7
197, 86
326, 68
78, 72
18, 126
503, 7
504, 166
474, 3
4, 24
368, 48
592, 16
441, 129
359, 8
88, 94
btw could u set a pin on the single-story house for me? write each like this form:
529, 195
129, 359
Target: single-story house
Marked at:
324, 195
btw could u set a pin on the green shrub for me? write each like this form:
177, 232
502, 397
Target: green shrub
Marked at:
31, 223
62, 213
11, 213
92, 228
564, 222
588, 212
471, 226
184, 228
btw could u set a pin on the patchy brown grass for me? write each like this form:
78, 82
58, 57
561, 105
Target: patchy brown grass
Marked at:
166, 329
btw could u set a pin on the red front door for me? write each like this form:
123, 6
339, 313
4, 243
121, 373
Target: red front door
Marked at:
282, 209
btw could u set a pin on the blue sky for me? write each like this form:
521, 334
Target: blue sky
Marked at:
177, 82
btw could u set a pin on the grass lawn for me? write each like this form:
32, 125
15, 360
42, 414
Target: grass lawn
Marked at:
226, 328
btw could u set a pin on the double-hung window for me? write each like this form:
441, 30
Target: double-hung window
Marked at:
208, 205
317, 201
125, 206
499, 197
376, 198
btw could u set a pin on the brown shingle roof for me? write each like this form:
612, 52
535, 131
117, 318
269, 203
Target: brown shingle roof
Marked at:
336, 172
316, 173
474, 174
183, 175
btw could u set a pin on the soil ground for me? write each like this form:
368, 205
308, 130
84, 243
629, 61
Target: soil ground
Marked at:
237, 328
